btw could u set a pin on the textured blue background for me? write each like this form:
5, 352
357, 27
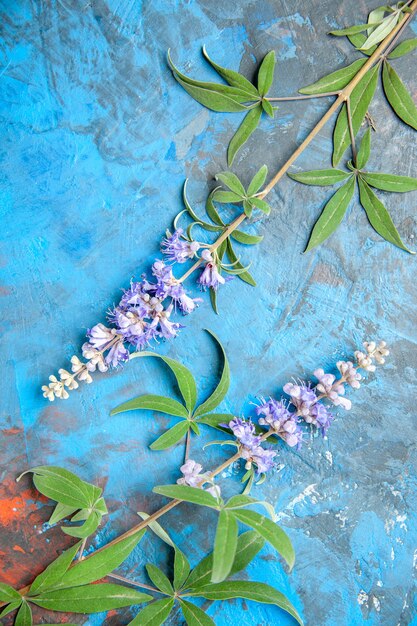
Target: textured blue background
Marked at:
96, 141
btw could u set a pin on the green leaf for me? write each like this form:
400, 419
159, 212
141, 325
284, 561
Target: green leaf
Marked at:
261, 205
100, 563
187, 494
248, 546
375, 17
226, 197
154, 614
232, 182
55, 571
85, 530
336, 80
184, 377
12, 606
212, 211
398, 96
215, 419
331, 215
246, 276
247, 208
360, 100
233, 78
63, 486
258, 180
222, 388
24, 615
161, 404
195, 616
358, 40
159, 579
60, 512
364, 150
406, 46
258, 592
171, 436
320, 177
268, 108
378, 216
225, 545
245, 130
390, 182
245, 238
202, 223
270, 531
266, 73
381, 31
351, 30
8, 594
213, 300
90, 598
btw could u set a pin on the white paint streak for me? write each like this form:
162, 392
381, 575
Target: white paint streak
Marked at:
362, 597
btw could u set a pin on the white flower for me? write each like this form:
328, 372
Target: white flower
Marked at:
48, 393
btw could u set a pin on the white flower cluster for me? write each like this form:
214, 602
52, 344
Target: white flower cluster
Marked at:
373, 352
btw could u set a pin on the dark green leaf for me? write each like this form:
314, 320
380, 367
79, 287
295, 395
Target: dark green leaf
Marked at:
159, 579
248, 546
90, 598
187, 494
245, 130
270, 531
212, 211
8, 594
63, 486
246, 277
55, 571
12, 606
184, 377
398, 96
360, 100
258, 592
195, 616
161, 404
390, 182
242, 237
266, 73
181, 568
232, 182
320, 177
226, 197
233, 78
85, 530
268, 108
24, 615
336, 80
222, 388
100, 563
154, 614
364, 150
378, 216
358, 40
332, 214
406, 46
225, 544
258, 180
171, 436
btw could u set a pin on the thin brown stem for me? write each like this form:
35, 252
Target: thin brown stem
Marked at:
351, 131
187, 445
400, 30
128, 581
304, 97
81, 551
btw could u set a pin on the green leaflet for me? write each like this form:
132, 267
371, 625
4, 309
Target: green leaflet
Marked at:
246, 238
187, 494
398, 96
268, 108
266, 73
63, 486
232, 182
233, 78
100, 563
222, 388
212, 211
258, 180
154, 614
261, 205
336, 80
259, 592
55, 571
351, 30
364, 150
61, 511
85, 530
245, 276
24, 615
153, 403
381, 31
320, 177
406, 46
90, 598
378, 216
205, 225
225, 545
184, 377
8, 594
194, 615
331, 215
390, 182
360, 100
245, 130
226, 197
12, 606
171, 436
270, 531
215, 419
358, 40
159, 579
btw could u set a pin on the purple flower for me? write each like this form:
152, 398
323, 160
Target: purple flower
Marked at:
100, 336
320, 417
244, 431
117, 354
178, 249
193, 477
210, 277
302, 397
331, 389
277, 416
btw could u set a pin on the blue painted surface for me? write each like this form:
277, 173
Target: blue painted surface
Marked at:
96, 141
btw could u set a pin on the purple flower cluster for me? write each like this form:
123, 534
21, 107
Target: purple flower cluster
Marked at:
285, 423
192, 476
178, 249
308, 406
251, 450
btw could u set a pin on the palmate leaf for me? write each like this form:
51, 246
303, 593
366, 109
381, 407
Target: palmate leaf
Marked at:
321, 178
222, 388
403, 48
258, 592
360, 100
331, 215
398, 96
334, 81
151, 402
235, 79
187, 494
364, 150
378, 216
154, 614
184, 377
247, 127
194, 615
225, 545
171, 436
390, 182
63, 486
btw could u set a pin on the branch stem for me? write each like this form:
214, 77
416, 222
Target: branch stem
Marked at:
351, 131
304, 97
